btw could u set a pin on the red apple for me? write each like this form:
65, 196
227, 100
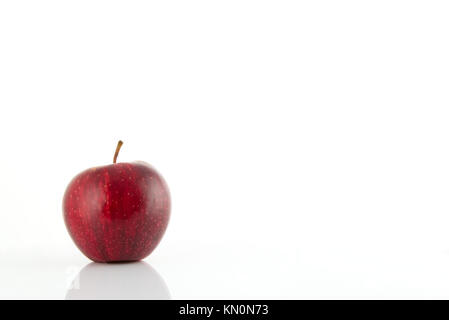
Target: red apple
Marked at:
117, 212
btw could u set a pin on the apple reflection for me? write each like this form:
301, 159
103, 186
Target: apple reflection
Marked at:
118, 281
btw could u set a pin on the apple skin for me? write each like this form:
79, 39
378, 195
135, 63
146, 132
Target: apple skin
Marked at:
117, 212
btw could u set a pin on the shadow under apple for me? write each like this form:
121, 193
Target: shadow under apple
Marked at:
118, 281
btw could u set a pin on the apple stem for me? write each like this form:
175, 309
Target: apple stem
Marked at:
117, 150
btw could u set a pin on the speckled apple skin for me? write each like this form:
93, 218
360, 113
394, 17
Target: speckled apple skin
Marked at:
117, 212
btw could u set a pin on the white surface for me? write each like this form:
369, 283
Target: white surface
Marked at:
305, 143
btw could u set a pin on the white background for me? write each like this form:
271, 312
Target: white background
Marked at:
305, 143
